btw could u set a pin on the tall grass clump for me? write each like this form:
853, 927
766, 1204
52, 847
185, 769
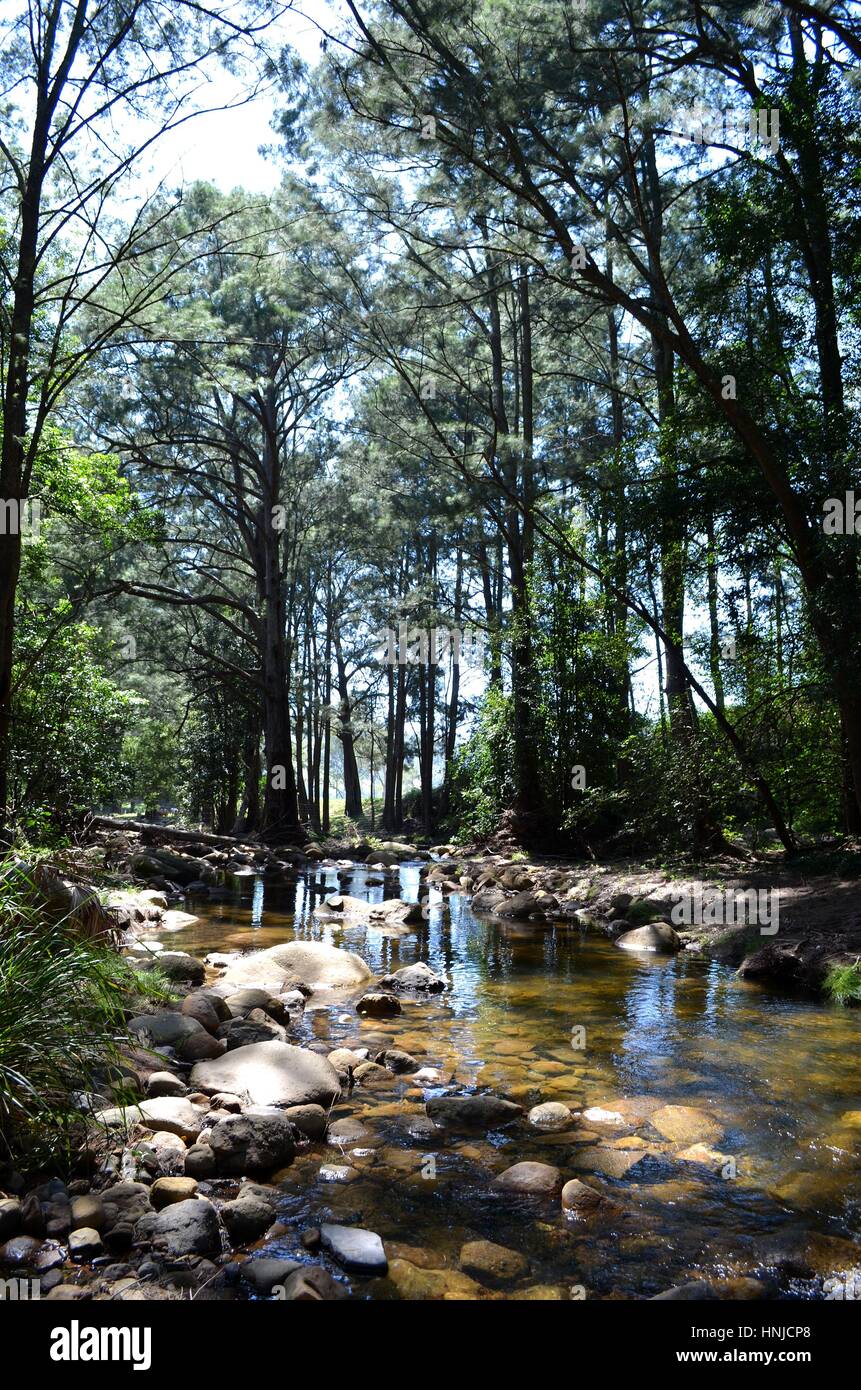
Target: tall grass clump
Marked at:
62, 1018
843, 983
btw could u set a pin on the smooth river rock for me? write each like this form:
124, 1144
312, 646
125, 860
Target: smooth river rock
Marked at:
685, 1125
355, 1249
533, 1179
315, 962
166, 1029
448, 1285
472, 1112
252, 1143
658, 937
580, 1198
492, 1264
170, 1114
418, 978
550, 1116
378, 1005
270, 1073
184, 1228
263, 1274
174, 1115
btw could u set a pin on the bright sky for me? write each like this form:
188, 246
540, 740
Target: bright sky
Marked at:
223, 147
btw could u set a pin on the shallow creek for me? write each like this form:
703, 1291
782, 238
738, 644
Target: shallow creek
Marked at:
780, 1075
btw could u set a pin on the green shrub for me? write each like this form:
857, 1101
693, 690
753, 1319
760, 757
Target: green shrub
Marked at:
843, 983
62, 1018
482, 785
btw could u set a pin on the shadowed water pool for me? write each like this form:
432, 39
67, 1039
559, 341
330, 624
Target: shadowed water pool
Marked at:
546, 1013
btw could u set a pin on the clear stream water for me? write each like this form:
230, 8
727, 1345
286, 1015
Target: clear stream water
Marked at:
780, 1075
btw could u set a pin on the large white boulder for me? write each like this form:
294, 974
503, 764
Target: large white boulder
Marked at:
315, 962
270, 1073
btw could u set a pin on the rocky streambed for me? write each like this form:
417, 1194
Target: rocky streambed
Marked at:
395, 1080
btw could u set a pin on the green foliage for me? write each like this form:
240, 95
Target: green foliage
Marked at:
482, 783
211, 754
68, 722
843, 983
88, 489
581, 714
151, 754
62, 1011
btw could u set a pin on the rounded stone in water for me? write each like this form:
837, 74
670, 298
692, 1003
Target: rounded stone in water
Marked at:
552, 1115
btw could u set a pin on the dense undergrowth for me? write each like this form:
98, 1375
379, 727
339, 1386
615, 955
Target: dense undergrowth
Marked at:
63, 1008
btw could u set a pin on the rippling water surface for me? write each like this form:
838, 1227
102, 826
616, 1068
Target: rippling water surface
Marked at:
780, 1075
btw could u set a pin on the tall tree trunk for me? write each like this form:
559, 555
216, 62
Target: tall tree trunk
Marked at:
714, 628
528, 795
454, 692
400, 725
427, 709
327, 704
280, 805
13, 461
389, 787
248, 818
352, 786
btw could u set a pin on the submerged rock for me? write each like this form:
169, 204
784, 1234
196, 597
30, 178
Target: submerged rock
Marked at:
472, 1112
533, 1179
492, 1264
705, 1156
412, 1282
613, 1163
685, 1125
697, 1291
377, 1005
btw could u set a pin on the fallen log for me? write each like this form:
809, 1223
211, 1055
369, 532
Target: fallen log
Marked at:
151, 833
